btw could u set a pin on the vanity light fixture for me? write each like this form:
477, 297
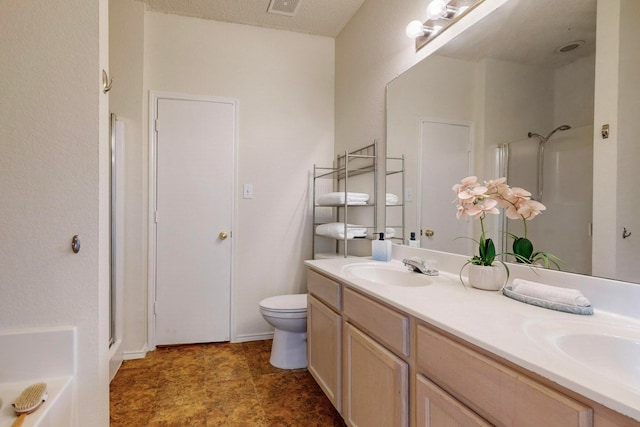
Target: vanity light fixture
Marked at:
416, 29
440, 9
440, 14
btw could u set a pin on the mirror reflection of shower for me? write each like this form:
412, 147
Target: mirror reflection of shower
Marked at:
542, 140
564, 228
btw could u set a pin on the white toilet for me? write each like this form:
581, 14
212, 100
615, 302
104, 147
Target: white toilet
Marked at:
288, 314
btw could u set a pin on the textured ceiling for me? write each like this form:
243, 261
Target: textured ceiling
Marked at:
320, 17
528, 32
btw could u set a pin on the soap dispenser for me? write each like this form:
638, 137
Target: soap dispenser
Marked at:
412, 241
381, 249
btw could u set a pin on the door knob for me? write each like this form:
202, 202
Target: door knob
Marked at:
223, 235
429, 233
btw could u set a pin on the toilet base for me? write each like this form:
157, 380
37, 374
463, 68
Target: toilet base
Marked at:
289, 350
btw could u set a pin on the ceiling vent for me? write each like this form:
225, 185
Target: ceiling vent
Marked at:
283, 7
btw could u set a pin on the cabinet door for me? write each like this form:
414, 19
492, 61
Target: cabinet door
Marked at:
376, 383
324, 340
435, 408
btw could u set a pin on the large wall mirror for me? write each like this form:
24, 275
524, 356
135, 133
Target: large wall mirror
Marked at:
521, 94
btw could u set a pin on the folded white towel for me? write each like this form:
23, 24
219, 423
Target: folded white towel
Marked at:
336, 230
392, 199
338, 198
388, 234
550, 293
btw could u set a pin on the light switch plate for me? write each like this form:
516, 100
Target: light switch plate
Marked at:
247, 191
408, 193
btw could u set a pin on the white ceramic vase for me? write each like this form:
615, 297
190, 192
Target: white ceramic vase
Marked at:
487, 277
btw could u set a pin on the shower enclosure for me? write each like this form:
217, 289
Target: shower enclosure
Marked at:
558, 171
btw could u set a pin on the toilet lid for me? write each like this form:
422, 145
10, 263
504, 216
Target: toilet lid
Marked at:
295, 302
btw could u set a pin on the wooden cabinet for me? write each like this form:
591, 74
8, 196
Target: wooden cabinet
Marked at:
324, 354
376, 383
324, 335
381, 367
497, 393
436, 408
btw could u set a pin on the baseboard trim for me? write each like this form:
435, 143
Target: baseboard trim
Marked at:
253, 337
131, 355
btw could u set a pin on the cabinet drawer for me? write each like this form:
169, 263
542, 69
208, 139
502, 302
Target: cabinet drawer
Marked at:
434, 408
324, 289
498, 393
388, 326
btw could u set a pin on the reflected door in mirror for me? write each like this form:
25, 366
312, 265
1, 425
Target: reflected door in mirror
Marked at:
445, 149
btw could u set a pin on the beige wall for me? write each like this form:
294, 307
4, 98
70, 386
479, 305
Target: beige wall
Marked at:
627, 266
52, 176
284, 84
605, 152
371, 51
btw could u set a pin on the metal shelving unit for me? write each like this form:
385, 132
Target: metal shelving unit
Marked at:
345, 167
396, 168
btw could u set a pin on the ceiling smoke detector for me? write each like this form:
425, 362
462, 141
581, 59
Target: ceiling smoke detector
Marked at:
283, 7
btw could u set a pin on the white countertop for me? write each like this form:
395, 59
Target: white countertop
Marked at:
497, 324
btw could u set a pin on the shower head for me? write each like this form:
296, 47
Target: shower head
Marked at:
559, 128
545, 139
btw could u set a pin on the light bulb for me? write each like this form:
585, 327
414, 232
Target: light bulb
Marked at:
436, 9
414, 29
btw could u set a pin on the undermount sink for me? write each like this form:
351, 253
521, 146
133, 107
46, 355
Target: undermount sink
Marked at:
387, 274
611, 349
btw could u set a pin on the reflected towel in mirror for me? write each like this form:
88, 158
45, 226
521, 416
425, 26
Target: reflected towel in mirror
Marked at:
336, 230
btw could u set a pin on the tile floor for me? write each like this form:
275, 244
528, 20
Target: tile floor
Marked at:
218, 384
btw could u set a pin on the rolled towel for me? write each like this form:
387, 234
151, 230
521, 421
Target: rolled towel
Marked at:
391, 199
550, 293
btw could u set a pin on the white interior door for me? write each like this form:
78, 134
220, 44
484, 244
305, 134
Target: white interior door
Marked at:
194, 198
444, 160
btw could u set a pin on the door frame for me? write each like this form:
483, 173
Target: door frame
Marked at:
470, 168
154, 96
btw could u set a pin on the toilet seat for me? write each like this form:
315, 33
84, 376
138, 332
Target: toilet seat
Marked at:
295, 303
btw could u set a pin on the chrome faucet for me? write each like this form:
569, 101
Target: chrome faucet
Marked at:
418, 265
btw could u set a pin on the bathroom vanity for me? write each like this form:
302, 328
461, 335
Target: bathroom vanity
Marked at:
391, 347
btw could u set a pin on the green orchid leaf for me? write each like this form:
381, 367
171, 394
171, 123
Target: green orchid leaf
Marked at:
489, 252
523, 248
